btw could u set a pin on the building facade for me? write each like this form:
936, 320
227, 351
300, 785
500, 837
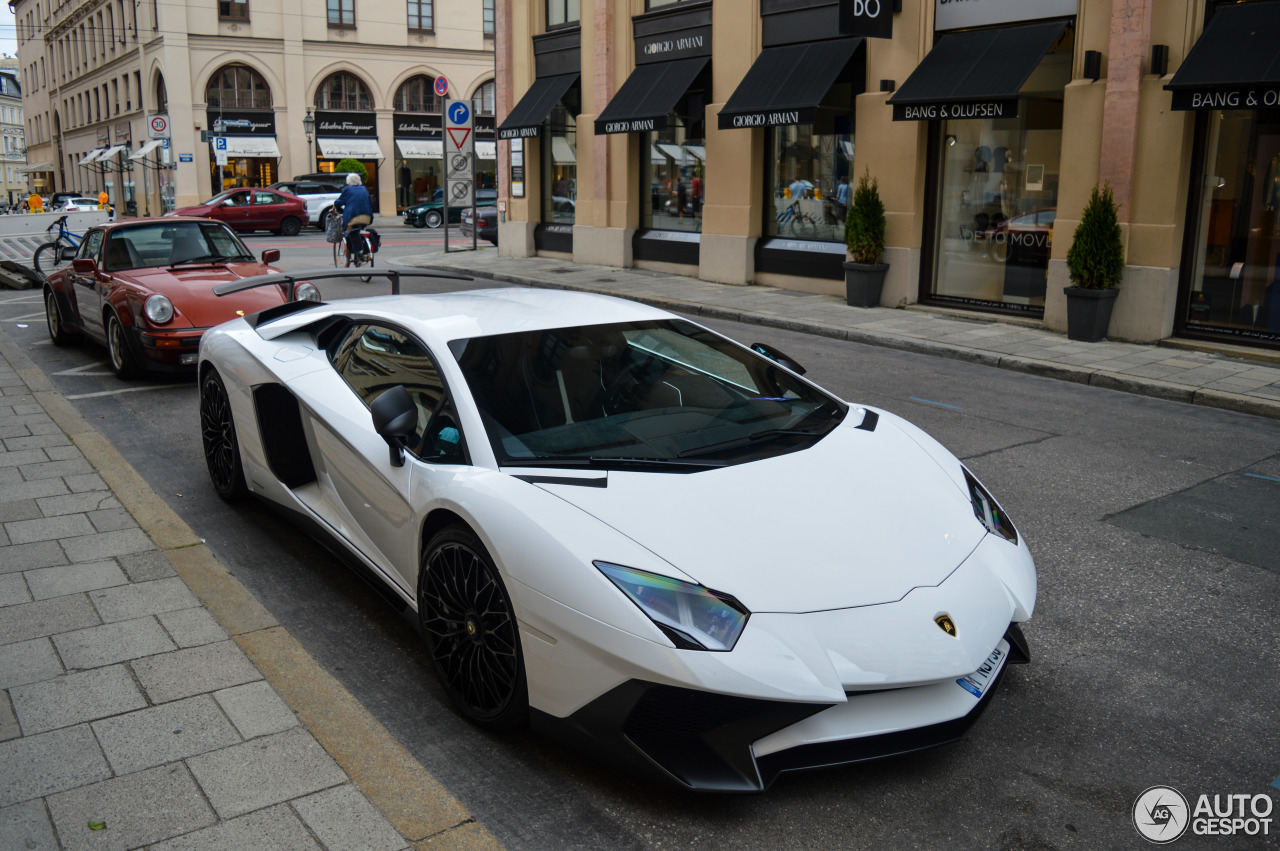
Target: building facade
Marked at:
720, 138
13, 144
132, 98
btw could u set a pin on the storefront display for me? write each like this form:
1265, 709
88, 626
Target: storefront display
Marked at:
349, 135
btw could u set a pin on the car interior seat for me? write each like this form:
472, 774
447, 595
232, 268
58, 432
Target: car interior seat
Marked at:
121, 254
186, 245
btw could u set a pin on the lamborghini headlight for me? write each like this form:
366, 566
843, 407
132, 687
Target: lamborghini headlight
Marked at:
693, 617
988, 511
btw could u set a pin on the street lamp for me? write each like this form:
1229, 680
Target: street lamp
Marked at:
309, 127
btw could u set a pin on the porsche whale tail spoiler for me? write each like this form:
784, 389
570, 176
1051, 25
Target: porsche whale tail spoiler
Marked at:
293, 279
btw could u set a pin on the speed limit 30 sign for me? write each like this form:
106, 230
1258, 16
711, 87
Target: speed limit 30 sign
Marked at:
158, 127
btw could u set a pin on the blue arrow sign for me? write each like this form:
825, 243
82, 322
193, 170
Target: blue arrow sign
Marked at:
459, 113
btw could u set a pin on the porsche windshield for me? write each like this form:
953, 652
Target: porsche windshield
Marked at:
654, 394
173, 243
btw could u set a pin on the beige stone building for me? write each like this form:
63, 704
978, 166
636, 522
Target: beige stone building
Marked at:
13, 145
718, 139
106, 80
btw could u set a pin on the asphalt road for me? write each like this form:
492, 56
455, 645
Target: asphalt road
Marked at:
1155, 528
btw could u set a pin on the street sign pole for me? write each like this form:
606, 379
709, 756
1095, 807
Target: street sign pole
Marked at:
459, 161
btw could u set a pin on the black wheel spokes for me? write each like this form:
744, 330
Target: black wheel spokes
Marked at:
215, 424
459, 592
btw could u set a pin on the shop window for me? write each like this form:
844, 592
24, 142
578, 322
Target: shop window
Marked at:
1235, 280
562, 12
237, 87
343, 90
674, 177
810, 181
560, 167
997, 197
342, 13
421, 18
233, 10
487, 20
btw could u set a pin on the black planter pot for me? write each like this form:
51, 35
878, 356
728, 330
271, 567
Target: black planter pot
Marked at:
863, 283
1088, 313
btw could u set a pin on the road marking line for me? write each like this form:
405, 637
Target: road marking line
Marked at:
935, 404
1268, 478
122, 390
22, 299
39, 315
81, 370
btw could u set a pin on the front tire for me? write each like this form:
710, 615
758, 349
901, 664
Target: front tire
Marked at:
470, 629
289, 226
218, 433
433, 219
53, 319
123, 363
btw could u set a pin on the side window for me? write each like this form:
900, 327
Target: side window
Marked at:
92, 242
237, 199
261, 198
375, 358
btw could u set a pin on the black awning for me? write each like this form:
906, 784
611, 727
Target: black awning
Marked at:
786, 84
648, 95
1235, 64
527, 116
975, 74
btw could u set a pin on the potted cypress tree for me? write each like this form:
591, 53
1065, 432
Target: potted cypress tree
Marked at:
1095, 264
864, 238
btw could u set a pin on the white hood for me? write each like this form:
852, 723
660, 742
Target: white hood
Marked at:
818, 529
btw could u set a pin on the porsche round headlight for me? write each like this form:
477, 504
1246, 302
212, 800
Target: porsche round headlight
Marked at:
306, 292
159, 309
693, 617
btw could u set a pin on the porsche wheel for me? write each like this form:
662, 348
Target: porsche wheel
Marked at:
122, 360
470, 628
218, 432
53, 318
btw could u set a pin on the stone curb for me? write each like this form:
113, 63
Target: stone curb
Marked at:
1167, 390
408, 795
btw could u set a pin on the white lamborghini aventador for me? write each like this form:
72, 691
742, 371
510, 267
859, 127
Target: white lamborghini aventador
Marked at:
627, 529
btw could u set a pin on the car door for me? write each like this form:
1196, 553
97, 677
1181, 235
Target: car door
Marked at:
268, 209
236, 210
87, 290
365, 492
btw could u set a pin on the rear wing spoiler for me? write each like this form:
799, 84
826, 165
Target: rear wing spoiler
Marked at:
295, 278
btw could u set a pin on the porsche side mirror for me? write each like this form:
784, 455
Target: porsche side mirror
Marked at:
271, 255
777, 357
394, 416
85, 265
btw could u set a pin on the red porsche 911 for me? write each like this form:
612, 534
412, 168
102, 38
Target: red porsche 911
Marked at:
144, 289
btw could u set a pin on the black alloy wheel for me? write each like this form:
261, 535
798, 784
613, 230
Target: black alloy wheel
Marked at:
471, 632
53, 319
218, 433
123, 363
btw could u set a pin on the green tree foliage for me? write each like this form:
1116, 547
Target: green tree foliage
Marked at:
1096, 258
865, 223
356, 166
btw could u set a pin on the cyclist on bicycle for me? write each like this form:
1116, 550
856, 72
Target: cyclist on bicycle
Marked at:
356, 209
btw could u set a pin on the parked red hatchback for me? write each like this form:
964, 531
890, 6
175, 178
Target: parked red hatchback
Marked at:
144, 289
253, 209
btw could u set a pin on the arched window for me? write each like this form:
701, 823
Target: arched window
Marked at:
343, 90
238, 87
162, 96
482, 100
417, 94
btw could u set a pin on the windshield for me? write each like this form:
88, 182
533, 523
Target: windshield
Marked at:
171, 244
657, 393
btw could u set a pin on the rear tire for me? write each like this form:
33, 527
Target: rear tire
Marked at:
48, 259
289, 226
53, 318
470, 629
218, 433
123, 363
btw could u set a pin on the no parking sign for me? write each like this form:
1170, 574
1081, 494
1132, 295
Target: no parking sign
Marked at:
442, 86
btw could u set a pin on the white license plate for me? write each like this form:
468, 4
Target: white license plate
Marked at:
980, 680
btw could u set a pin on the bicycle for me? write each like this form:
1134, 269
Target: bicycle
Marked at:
51, 256
801, 224
362, 255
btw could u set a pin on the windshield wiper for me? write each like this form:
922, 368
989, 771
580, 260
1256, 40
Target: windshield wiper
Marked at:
203, 258
753, 437
603, 462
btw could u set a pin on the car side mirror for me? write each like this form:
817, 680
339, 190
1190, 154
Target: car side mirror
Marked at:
394, 416
85, 265
777, 357
271, 255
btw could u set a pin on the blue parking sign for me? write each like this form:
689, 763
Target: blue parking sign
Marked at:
220, 143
